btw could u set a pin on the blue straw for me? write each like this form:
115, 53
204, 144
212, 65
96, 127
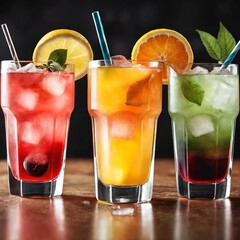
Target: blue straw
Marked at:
231, 56
101, 36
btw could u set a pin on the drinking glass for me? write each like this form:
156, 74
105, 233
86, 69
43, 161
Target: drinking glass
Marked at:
203, 105
37, 105
124, 102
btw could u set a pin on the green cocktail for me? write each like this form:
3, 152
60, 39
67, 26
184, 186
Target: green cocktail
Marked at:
203, 105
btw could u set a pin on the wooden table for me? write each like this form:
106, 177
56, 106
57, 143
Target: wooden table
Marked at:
77, 214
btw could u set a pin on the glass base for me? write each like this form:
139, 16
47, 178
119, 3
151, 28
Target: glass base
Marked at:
40, 189
211, 191
117, 194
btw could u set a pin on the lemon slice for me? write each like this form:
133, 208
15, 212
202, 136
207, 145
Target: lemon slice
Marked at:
79, 50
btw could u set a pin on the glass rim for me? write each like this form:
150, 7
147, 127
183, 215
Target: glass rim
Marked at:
108, 63
187, 68
29, 61
217, 64
8, 66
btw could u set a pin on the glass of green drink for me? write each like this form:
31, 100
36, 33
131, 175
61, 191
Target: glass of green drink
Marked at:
203, 105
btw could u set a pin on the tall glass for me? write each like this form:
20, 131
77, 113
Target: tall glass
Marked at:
124, 101
203, 105
37, 105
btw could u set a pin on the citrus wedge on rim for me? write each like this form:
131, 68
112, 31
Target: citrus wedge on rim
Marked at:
79, 50
165, 45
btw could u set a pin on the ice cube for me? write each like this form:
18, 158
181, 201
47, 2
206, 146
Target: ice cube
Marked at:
222, 95
197, 70
54, 84
37, 129
11, 67
85, 202
200, 125
27, 99
45, 124
29, 134
218, 70
115, 207
61, 103
123, 125
30, 67
123, 212
120, 60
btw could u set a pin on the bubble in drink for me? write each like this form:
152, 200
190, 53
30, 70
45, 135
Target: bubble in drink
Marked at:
200, 125
54, 84
27, 99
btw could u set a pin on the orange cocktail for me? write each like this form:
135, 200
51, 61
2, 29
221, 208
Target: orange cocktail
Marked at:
124, 101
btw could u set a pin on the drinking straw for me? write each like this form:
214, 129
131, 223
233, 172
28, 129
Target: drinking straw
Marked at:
10, 44
101, 36
231, 56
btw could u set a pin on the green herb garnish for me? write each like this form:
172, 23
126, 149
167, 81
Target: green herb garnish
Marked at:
56, 61
218, 48
192, 91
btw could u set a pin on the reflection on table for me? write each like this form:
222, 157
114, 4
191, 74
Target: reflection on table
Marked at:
77, 215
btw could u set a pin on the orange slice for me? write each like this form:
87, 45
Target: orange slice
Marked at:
138, 92
165, 45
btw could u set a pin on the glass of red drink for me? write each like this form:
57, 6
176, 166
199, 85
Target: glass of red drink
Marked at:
37, 105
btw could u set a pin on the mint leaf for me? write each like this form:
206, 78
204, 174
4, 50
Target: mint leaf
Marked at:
59, 56
218, 48
54, 66
211, 44
192, 91
56, 60
226, 40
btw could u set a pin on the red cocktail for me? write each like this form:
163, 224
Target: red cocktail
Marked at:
37, 105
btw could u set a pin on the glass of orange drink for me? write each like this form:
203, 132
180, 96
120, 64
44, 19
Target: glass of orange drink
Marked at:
124, 102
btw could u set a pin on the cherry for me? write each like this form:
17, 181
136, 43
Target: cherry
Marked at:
36, 164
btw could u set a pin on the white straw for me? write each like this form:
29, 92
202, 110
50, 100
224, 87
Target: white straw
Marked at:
10, 44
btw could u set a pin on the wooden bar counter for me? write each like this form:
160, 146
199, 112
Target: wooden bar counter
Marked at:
77, 215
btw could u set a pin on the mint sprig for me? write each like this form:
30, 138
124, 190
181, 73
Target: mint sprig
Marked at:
192, 91
56, 61
218, 48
